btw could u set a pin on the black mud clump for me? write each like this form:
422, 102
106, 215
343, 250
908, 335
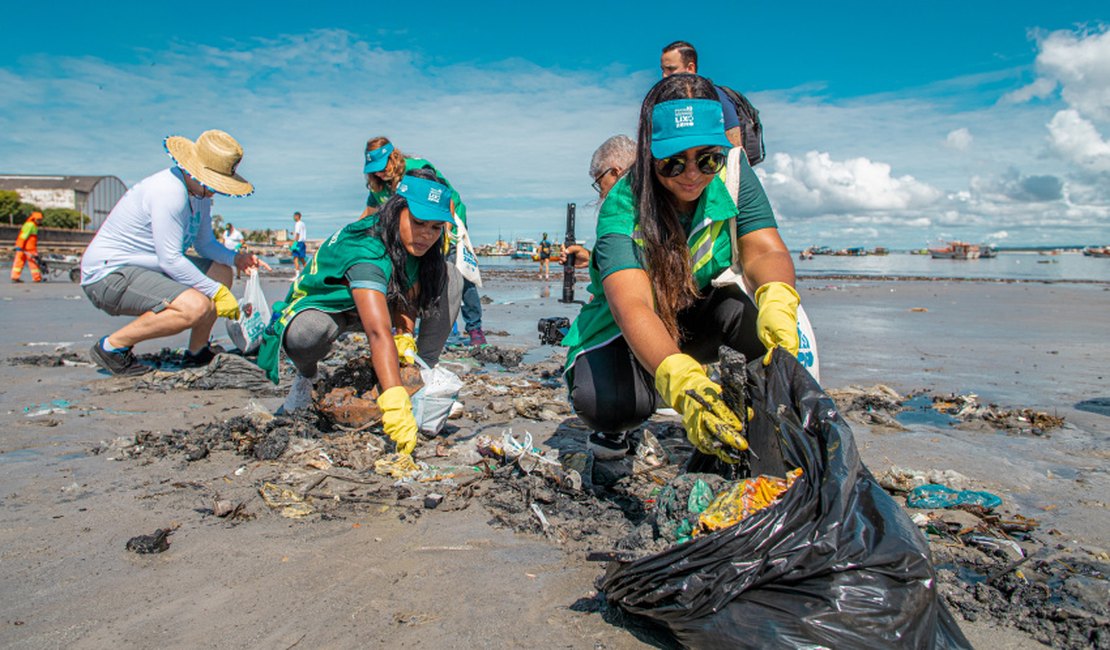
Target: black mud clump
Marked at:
156, 542
1059, 599
51, 360
357, 373
256, 436
575, 519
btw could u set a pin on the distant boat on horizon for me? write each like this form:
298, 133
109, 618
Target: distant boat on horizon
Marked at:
955, 250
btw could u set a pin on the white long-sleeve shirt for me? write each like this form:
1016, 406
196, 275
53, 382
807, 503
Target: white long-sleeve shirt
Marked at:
152, 226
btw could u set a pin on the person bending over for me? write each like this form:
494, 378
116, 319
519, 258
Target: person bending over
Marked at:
384, 165
375, 275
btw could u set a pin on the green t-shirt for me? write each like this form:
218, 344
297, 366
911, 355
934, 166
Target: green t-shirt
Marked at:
618, 247
354, 257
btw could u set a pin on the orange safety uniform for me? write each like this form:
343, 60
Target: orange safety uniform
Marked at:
27, 249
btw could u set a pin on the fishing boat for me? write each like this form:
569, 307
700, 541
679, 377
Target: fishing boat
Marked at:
525, 249
986, 252
499, 248
1097, 251
955, 250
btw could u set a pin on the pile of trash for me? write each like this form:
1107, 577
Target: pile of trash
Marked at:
665, 520
883, 407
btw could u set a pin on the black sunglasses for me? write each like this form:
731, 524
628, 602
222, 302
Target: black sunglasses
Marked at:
597, 181
710, 162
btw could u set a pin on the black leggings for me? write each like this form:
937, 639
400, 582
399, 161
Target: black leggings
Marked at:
612, 392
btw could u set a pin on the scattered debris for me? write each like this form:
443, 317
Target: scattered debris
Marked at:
72, 359
882, 406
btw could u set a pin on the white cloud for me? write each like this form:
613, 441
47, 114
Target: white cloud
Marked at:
816, 184
1078, 141
1080, 63
1041, 88
960, 139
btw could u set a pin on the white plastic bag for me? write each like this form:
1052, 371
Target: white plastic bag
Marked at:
432, 404
465, 259
254, 316
807, 340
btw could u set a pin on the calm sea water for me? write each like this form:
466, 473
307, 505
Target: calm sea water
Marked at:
1007, 266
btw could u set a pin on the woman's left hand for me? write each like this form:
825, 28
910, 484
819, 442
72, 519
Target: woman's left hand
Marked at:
777, 321
406, 348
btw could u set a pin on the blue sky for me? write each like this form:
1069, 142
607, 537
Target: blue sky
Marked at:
891, 124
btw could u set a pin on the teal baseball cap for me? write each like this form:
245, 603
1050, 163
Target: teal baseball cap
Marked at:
679, 124
428, 200
377, 159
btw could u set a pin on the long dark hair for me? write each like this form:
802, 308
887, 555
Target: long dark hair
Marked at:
432, 275
665, 248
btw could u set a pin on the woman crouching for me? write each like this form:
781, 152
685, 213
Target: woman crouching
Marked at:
666, 231
377, 274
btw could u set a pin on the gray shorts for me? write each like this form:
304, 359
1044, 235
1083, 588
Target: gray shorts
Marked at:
133, 290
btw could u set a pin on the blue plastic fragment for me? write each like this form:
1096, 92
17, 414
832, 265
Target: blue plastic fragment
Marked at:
941, 496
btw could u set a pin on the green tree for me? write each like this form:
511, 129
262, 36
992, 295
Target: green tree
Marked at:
9, 205
63, 218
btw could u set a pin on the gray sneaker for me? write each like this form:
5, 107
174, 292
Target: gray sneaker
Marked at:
121, 364
299, 397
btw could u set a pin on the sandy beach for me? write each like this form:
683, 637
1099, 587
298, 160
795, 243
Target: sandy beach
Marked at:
391, 576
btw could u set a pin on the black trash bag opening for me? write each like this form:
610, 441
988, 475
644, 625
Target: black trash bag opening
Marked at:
835, 562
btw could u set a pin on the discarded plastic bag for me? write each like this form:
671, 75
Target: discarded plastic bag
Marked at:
942, 496
431, 405
466, 261
743, 500
254, 316
287, 502
834, 563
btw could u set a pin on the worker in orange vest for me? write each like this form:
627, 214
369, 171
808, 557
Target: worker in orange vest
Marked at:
27, 249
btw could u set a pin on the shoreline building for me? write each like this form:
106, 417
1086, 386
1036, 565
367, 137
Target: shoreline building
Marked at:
93, 196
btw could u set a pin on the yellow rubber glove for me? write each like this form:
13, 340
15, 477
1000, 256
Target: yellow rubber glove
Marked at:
397, 419
406, 348
710, 425
226, 304
777, 322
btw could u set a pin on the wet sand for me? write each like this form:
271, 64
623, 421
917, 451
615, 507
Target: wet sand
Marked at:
448, 579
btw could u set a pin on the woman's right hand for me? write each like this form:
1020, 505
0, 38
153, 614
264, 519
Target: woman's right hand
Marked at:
581, 256
710, 425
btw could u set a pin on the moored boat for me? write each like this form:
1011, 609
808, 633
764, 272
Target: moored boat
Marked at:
955, 250
525, 249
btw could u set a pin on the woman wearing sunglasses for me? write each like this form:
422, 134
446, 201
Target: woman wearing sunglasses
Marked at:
374, 275
664, 233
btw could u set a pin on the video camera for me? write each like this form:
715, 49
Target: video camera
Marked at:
553, 329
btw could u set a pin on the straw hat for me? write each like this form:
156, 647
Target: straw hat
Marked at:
212, 160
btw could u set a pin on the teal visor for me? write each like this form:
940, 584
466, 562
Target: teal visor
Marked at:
377, 159
680, 124
428, 200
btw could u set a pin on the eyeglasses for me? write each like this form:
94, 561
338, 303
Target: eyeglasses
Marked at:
597, 179
710, 162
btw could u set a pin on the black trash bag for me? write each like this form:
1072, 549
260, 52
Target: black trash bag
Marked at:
835, 563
